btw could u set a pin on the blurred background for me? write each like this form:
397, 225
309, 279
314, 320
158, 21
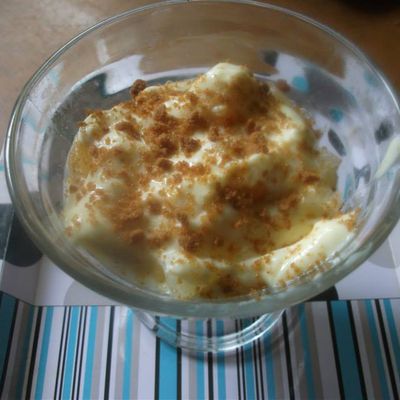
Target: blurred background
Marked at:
30, 31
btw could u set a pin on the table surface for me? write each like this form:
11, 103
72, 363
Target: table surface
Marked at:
31, 31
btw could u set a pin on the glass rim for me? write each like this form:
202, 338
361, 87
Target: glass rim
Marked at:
245, 306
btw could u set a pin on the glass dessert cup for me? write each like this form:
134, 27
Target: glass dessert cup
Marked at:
352, 105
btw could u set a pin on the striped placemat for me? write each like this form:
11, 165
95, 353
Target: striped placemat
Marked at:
337, 349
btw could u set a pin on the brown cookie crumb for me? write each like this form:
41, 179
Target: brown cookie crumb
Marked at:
137, 235
282, 85
138, 86
165, 164
129, 128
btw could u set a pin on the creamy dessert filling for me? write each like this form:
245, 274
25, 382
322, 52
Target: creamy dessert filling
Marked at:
208, 187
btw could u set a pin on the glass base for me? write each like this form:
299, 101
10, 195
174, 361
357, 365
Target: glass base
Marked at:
209, 335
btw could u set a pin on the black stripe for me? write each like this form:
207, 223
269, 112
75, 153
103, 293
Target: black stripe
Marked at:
157, 367
335, 350
210, 364
254, 364
82, 348
64, 353
109, 355
60, 353
178, 363
389, 361
77, 349
287, 353
238, 366
33, 353
10, 338
356, 350
27, 326
260, 364
242, 362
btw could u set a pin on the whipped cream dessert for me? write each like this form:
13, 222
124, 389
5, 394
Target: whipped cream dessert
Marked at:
204, 188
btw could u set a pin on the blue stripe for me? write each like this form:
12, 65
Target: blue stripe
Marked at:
126, 386
301, 83
347, 356
249, 373
393, 331
24, 353
377, 349
336, 114
200, 364
347, 188
27, 161
168, 365
29, 120
221, 365
71, 345
269, 366
43, 353
307, 353
6, 317
91, 344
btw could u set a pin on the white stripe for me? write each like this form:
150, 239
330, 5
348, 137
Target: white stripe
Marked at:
382, 349
202, 357
84, 350
205, 363
102, 338
230, 366
28, 361
115, 354
119, 351
363, 350
324, 345
80, 354
280, 342
263, 375
215, 361
38, 351
63, 347
256, 368
75, 361
192, 384
135, 359
106, 330
54, 347
296, 354
186, 360
147, 355
275, 348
